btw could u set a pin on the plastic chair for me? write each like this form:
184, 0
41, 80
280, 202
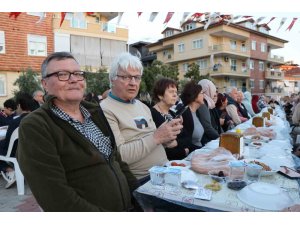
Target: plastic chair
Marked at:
8, 158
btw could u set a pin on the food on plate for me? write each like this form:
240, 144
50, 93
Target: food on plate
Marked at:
258, 144
260, 131
255, 138
264, 166
214, 186
177, 164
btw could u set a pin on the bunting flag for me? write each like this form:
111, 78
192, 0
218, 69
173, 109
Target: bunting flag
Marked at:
291, 25
270, 20
169, 16
281, 23
62, 18
120, 14
153, 16
211, 18
184, 16
233, 18
196, 16
42, 17
139, 13
258, 20
89, 13
14, 14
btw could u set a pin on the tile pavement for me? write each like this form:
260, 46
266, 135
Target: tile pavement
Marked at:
10, 201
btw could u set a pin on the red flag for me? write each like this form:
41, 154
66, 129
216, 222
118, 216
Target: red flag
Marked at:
139, 13
270, 20
14, 14
169, 16
89, 13
292, 24
195, 16
62, 18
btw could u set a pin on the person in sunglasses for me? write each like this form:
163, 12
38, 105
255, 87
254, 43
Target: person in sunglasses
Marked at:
66, 149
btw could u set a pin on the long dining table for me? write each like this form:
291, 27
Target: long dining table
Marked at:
276, 153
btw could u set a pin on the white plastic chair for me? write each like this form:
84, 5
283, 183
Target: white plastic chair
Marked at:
8, 158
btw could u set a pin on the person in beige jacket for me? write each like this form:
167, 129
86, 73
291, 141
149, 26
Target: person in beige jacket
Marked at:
138, 140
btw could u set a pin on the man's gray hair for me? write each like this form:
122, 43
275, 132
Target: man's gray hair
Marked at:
55, 56
36, 92
123, 61
230, 89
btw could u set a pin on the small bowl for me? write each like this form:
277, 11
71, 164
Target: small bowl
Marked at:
214, 174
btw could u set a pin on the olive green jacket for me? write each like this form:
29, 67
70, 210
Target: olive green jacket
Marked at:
65, 171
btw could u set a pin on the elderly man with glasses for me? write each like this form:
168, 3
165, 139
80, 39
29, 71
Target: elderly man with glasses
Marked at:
67, 151
138, 140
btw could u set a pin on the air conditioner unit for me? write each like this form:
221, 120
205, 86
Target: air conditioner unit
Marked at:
226, 59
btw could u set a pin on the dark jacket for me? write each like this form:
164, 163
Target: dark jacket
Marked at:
65, 171
183, 140
243, 111
210, 122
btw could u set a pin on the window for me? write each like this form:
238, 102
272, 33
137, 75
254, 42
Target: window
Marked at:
2, 42
76, 21
185, 67
263, 47
233, 83
202, 64
62, 42
251, 83
189, 26
261, 84
111, 28
250, 25
243, 47
232, 45
2, 85
261, 66
251, 64
233, 64
198, 44
169, 33
253, 45
37, 45
181, 47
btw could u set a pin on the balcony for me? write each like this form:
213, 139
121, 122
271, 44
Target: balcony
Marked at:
219, 71
224, 49
274, 74
275, 58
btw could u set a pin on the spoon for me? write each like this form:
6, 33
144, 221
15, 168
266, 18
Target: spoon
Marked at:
189, 184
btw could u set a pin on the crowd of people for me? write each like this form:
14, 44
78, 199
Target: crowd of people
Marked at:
78, 153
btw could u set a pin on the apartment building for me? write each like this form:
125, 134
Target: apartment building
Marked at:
26, 41
238, 54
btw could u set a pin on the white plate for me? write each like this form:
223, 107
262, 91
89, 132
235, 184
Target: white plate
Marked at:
265, 196
264, 173
186, 163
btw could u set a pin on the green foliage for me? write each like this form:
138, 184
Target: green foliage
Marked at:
193, 72
97, 82
28, 82
156, 71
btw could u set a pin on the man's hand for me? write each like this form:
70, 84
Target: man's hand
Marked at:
168, 131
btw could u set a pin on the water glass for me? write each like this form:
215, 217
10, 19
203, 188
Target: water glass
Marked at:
253, 172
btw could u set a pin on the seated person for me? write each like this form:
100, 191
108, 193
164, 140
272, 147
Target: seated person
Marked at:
247, 103
192, 96
225, 120
242, 110
139, 142
25, 104
38, 96
165, 96
209, 117
8, 112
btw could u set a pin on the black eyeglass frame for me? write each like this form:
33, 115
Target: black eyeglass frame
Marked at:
137, 78
81, 75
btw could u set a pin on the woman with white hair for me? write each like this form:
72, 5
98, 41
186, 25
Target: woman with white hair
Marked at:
247, 103
209, 119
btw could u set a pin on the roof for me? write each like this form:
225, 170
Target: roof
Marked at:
170, 28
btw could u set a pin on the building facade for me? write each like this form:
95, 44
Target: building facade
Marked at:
238, 54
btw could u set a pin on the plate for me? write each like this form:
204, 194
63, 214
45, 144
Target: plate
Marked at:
256, 138
186, 164
265, 196
264, 173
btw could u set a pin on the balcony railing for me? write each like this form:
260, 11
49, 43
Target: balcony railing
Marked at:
228, 48
276, 58
274, 74
226, 70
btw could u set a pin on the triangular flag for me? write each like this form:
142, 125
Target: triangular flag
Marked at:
196, 16
258, 20
120, 14
184, 16
42, 17
281, 23
139, 13
233, 18
14, 14
168, 17
153, 16
292, 24
89, 13
62, 17
270, 20
211, 18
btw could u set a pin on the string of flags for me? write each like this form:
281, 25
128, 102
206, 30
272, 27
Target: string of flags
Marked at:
197, 16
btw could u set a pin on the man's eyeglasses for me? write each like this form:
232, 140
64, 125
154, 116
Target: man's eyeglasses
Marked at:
128, 78
66, 75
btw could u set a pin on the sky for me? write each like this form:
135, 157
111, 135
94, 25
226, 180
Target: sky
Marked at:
141, 29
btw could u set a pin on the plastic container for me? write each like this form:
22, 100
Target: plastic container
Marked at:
157, 175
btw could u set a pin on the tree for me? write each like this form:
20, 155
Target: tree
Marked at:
28, 82
193, 73
97, 82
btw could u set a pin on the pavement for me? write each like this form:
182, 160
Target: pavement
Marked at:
10, 201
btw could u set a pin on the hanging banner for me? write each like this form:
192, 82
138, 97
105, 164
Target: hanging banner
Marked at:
292, 24
42, 17
281, 23
62, 18
169, 16
139, 13
14, 14
153, 16
270, 20
184, 16
120, 14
